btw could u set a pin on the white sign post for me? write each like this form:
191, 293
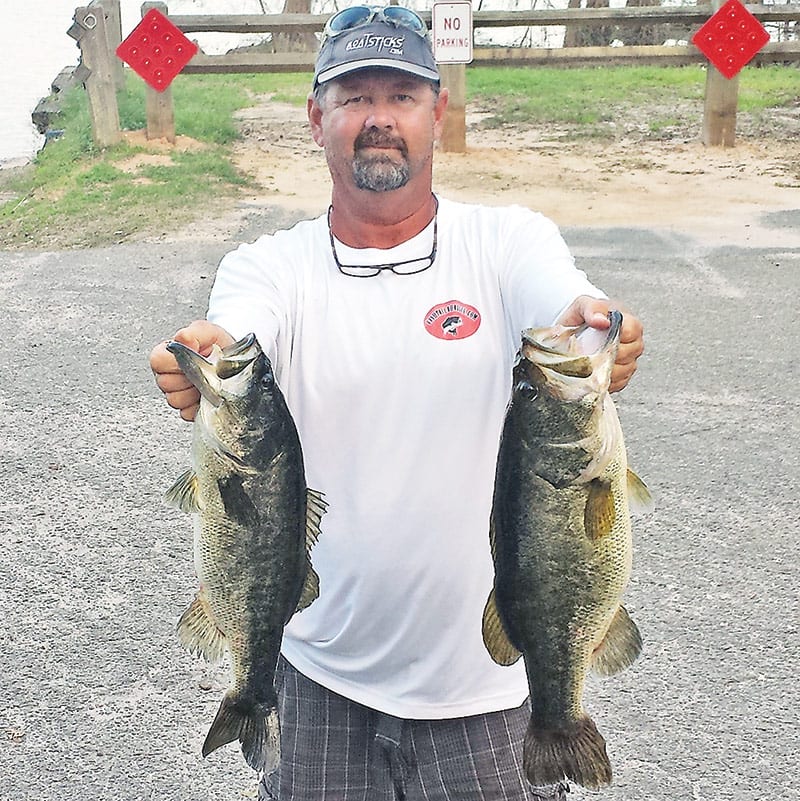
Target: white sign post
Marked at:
451, 33
451, 24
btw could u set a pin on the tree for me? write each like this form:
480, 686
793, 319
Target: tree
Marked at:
295, 42
582, 35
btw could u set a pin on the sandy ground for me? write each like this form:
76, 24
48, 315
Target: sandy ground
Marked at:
714, 194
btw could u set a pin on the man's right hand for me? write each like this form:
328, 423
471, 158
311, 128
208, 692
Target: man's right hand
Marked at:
179, 391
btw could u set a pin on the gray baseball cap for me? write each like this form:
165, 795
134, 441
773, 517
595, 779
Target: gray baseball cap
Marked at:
378, 44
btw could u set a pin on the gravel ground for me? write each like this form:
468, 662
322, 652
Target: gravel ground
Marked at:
100, 702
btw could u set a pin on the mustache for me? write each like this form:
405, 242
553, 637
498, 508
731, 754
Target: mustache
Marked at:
373, 138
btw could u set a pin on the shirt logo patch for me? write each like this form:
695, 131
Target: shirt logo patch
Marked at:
452, 320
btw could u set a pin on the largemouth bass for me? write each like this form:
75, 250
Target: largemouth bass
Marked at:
561, 542
255, 523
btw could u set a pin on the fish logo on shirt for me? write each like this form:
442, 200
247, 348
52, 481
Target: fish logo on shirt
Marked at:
451, 325
452, 319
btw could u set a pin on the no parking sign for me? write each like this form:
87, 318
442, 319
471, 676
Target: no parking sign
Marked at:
451, 26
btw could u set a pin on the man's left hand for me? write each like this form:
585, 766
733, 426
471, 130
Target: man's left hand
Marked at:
594, 312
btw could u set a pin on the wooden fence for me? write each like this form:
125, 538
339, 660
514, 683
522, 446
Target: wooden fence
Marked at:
97, 30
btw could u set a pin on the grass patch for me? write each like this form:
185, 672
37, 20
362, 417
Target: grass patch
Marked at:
76, 195
579, 96
586, 97
283, 87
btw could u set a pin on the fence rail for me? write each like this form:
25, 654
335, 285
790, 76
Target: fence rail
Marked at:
656, 55
637, 15
721, 95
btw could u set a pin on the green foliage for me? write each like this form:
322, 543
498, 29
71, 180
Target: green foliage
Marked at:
588, 95
287, 87
75, 194
768, 87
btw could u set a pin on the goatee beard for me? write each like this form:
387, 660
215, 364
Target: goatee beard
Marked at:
379, 172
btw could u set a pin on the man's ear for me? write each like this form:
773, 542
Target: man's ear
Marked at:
315, 119
439, 112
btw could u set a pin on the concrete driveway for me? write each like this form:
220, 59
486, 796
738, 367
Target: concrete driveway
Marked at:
100, 702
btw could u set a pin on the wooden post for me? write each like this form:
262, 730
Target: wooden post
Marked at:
90, 29
454, 136
721, 101
719, 112
159, 108
113, 15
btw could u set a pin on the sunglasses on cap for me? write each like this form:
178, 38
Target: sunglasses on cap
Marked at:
356, 16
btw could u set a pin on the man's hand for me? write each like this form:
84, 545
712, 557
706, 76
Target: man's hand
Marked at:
594, 312
179, 391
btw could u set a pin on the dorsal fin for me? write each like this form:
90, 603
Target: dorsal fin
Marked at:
316, 505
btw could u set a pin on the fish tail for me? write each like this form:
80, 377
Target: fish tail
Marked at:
255, 725
576, 752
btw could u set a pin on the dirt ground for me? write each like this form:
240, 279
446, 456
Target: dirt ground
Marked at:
715, 194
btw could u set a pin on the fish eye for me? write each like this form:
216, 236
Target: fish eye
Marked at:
268, 380
527, 390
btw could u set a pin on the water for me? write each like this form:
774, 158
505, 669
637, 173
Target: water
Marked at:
34, 48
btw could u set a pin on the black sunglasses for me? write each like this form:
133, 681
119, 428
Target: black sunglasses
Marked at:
409, 267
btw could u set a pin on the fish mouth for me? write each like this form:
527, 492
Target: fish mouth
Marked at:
207, 375
235, 357
240, 346
570, 363
572, 350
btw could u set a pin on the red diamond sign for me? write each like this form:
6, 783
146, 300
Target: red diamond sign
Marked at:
157, 50
730, 38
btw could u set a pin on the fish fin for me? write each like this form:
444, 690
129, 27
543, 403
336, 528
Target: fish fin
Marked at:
199, 633
184, 493
255, 725
577, 751
494, 635
310, 591
238, 505
600, 513
316, 506
620, 647
639, 498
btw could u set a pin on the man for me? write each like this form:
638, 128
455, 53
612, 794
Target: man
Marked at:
392, 323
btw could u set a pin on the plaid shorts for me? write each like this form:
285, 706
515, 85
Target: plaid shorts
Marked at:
333, 749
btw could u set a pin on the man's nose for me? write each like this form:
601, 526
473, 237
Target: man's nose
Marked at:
380, 116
